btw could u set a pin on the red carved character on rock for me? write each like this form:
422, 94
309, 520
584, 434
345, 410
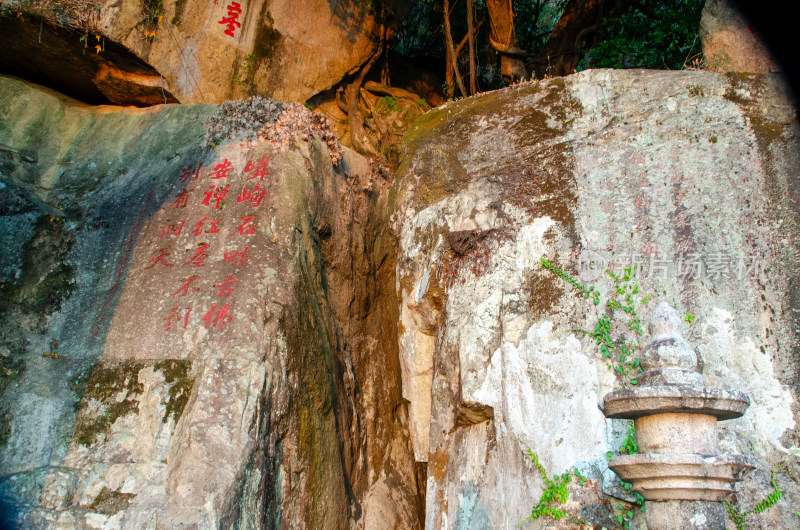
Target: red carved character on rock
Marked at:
197, 260
155, 260
233, 13
255, 197
221, 317
245, 228
237, 257
261, 170
175, 318
215, 194
184, 289
224, 290
189, 173
198, 228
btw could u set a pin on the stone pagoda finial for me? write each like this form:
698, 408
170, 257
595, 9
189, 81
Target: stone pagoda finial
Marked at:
668, 358
675, 416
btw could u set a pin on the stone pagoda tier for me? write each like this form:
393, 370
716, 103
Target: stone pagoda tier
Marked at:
675, 417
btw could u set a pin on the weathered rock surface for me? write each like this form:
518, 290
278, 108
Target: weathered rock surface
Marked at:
190, 51
690, 175
730, 42
191, 338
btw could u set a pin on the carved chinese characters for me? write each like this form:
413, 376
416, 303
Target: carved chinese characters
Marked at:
231, 21
199, 257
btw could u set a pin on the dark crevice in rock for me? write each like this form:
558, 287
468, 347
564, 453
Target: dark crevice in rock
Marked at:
66, 60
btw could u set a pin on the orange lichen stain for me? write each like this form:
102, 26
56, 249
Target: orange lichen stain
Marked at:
437, 464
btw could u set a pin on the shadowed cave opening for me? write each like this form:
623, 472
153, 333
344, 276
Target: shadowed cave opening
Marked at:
66, 60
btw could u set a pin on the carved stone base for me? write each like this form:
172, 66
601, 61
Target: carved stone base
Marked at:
696, 515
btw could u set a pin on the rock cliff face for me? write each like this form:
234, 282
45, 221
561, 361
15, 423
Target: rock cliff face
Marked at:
262, 331
688, 179
194, 338
188, 51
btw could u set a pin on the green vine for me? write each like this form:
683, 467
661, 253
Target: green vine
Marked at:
587, 292
246, 70
555, 493
620, 353
629, 446
769, 501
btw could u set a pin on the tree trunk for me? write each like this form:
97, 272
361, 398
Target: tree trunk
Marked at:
503, 38
451, 49
353, 96
471, 36
575, 31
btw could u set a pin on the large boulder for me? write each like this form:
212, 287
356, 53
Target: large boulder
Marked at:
147, 52
193, 329
731, 42
509, 208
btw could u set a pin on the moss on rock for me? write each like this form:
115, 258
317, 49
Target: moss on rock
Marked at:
109, 502
106, 384
176, 374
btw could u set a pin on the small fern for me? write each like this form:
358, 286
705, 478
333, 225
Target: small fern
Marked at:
555, 493
771, 499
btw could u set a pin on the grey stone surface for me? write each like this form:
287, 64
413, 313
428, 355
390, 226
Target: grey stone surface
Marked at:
670, 170
188, 339
700, 515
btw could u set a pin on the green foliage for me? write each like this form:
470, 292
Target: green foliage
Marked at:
649, 34
614, 346
246, 70
620, 308
387, 104
629, 446
769, 501
555, 494
586, 292
421, 36
154, 9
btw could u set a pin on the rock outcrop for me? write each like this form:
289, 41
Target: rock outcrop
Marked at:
195, 337
731, 43
509, 208
143, 52
245, 325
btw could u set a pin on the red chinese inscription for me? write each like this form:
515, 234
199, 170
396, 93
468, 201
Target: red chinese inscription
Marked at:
169, 230
237, 257
260, 170
175, 318
224, 289
234, 10
255, 197
215, 194
190, 173
197, 260
222, 316
221, 170
198, 228
182, 200
184, 289
245, 228
155, 260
